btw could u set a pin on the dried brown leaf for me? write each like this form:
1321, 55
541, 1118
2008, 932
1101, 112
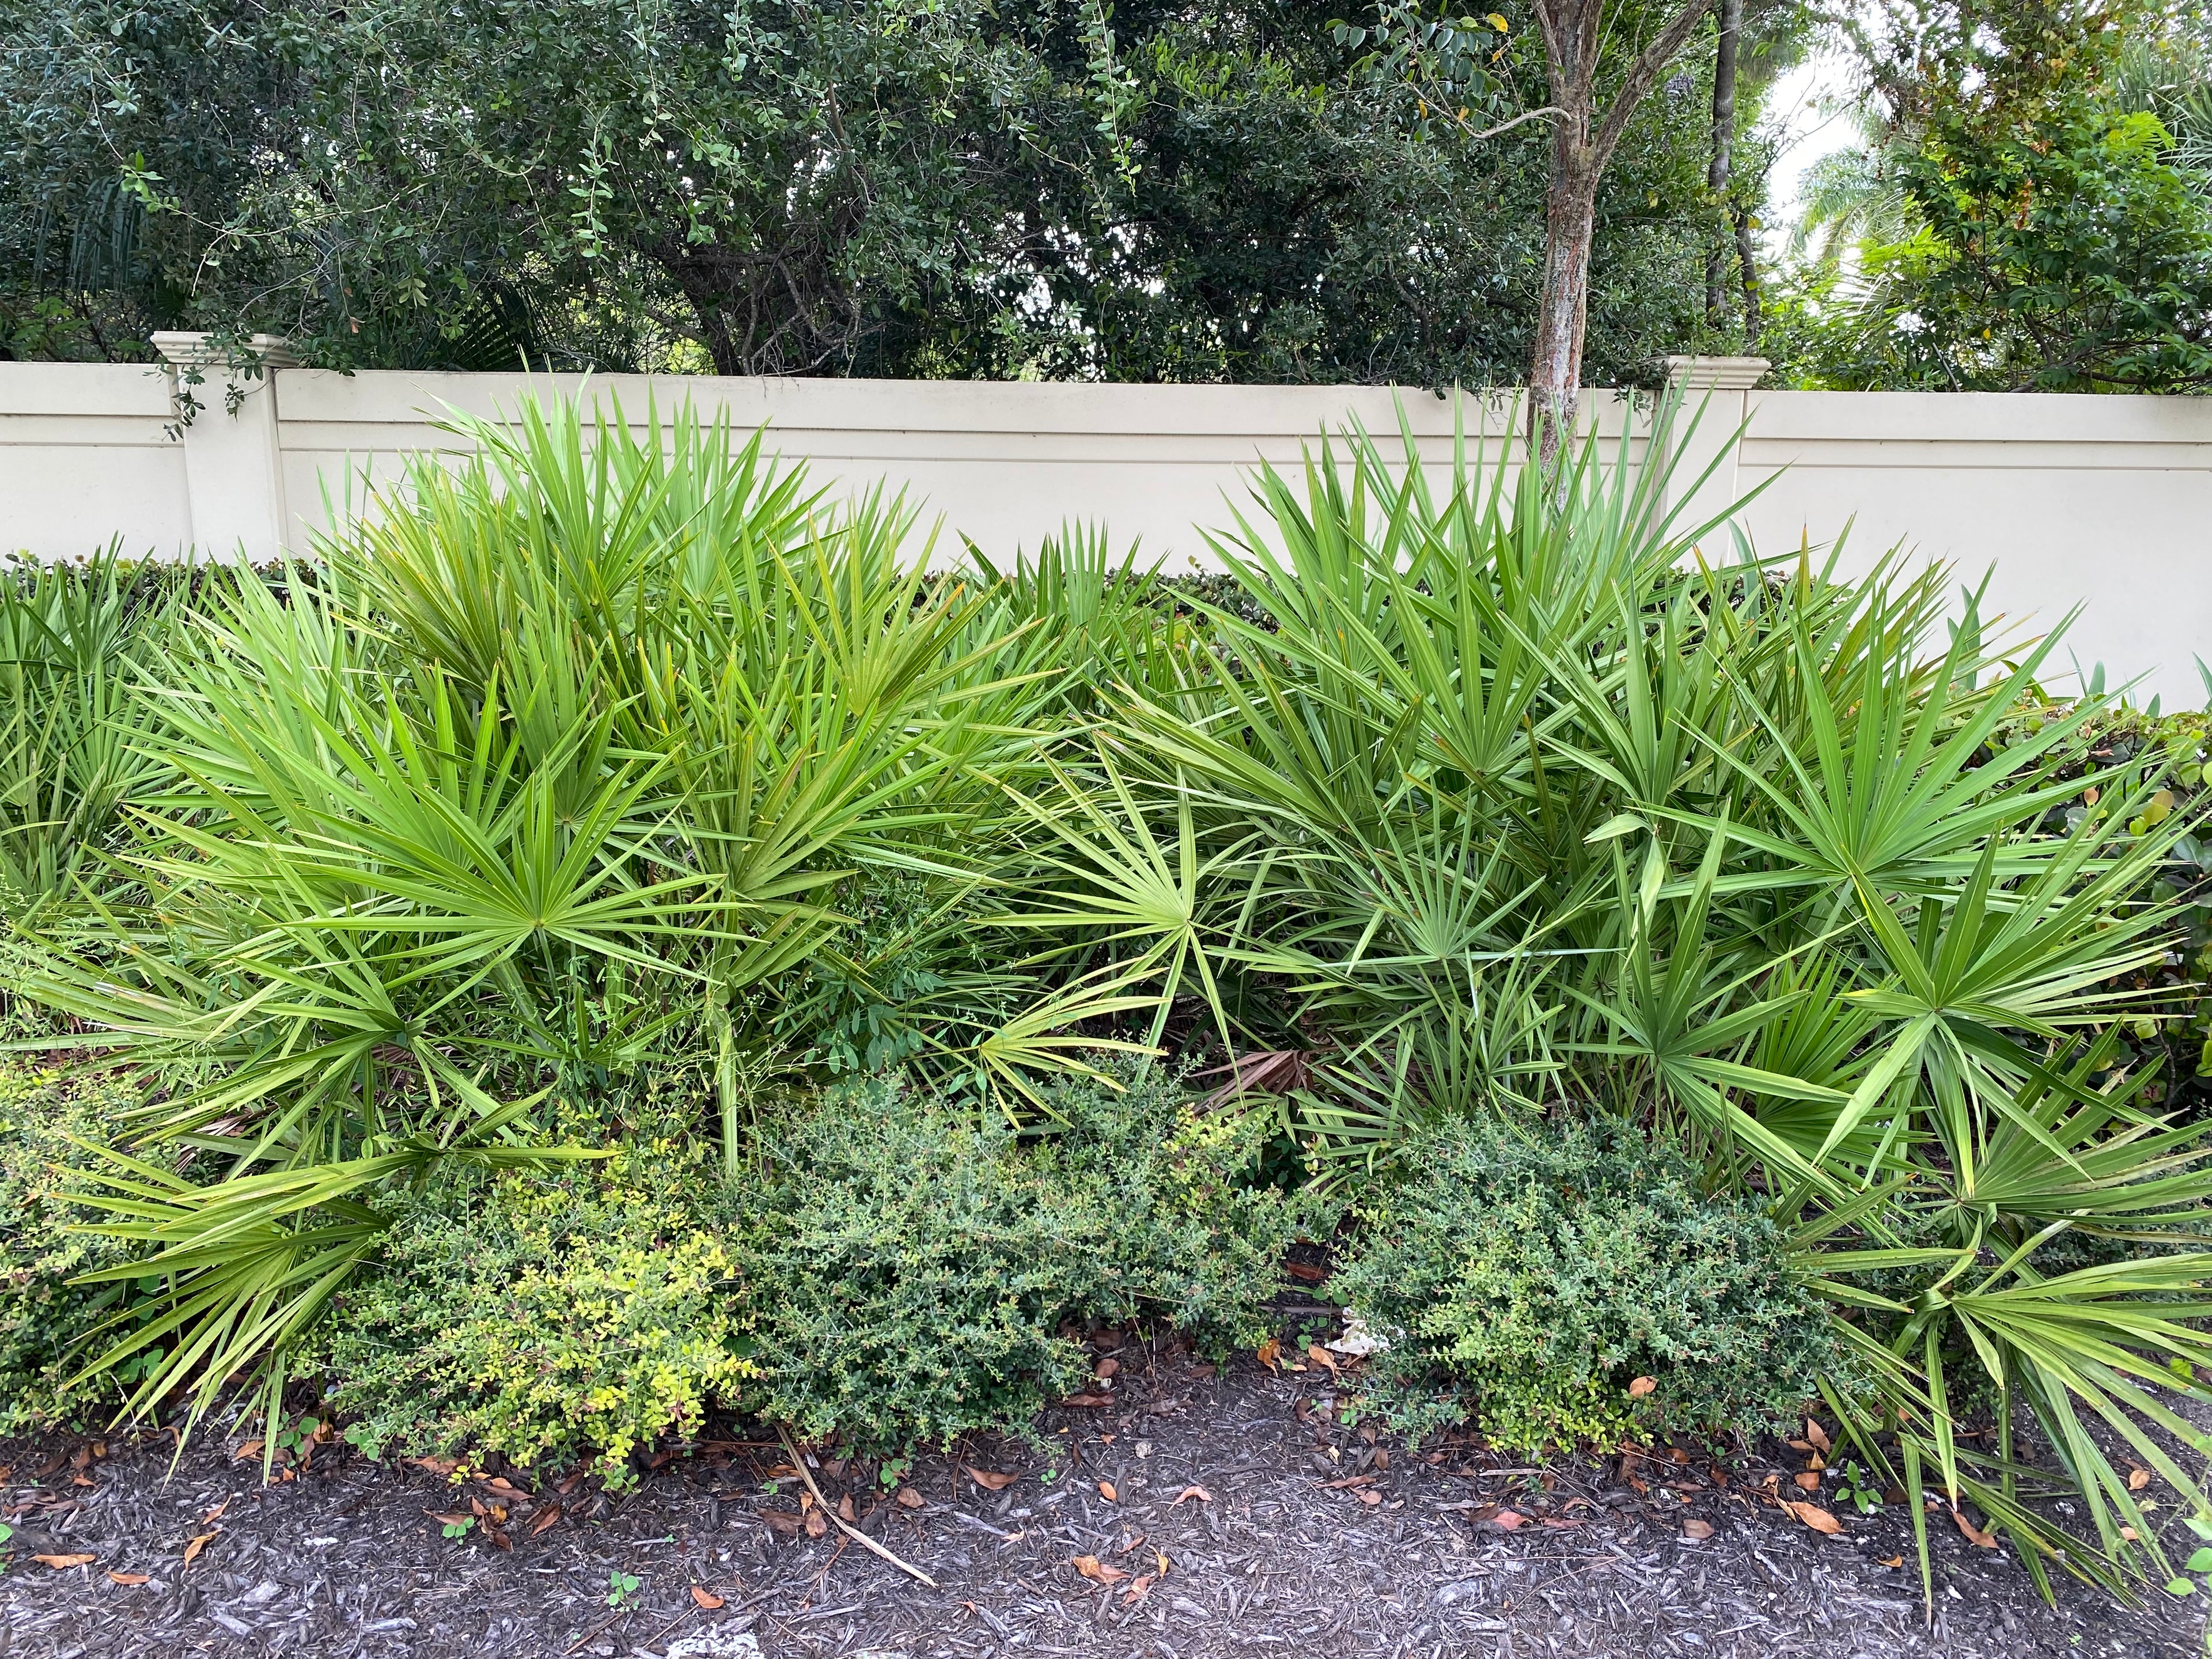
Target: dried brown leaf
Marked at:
1974, 1534
1814, 1516
706, 1599
988, 1479
1098, 1572
909, 1499
63, 1563
1189, 1493
193, 1546
1106, 1491
1268, 1071
1639, 1387
1693, 1528
129, 1577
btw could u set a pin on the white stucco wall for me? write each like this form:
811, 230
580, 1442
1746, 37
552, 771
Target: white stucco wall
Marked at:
83, 456
2107, 501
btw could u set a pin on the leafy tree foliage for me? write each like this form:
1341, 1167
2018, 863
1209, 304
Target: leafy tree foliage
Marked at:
2029, 230
798, 186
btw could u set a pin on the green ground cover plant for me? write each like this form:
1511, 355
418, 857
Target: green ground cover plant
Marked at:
615, 870
918, 1272
46, 1310
1573, 1284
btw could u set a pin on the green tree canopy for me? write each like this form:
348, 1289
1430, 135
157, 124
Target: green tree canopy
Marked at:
2027, 222
912, 187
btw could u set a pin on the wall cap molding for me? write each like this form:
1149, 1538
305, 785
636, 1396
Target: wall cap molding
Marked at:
1716, 374
194, 348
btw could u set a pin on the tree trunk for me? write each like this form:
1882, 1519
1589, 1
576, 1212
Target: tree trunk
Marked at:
1582, 143
1563, 310
1747, 257
1716, 174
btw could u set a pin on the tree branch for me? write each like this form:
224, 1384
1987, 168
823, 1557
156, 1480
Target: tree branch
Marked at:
1642, 75
1557, 55
1508, 126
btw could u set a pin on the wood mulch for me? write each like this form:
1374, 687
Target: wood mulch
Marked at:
1192, 1515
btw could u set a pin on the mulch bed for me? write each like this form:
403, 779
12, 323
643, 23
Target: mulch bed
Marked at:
1243, 1518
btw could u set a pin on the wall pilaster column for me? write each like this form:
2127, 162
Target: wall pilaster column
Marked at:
231, 462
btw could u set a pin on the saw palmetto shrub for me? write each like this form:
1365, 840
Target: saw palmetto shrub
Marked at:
1466, 792
1567, 1282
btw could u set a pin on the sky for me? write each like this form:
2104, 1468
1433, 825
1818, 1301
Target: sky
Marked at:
1814, 133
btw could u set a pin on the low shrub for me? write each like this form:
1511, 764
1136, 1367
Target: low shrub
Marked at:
894, 1274
1530, 1271
44, 1317
542, 1316
916, 1274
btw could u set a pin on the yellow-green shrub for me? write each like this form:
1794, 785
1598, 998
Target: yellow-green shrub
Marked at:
542, 1317
42, 1316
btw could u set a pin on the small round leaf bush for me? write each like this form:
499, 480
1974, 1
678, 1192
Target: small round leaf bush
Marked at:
1527, 1272
914, 1272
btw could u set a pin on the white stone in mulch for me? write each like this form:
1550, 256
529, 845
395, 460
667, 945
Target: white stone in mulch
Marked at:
716, 1642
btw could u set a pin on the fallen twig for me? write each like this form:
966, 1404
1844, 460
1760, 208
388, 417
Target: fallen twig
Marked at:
604, 1625
798, 1462
967, 1520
